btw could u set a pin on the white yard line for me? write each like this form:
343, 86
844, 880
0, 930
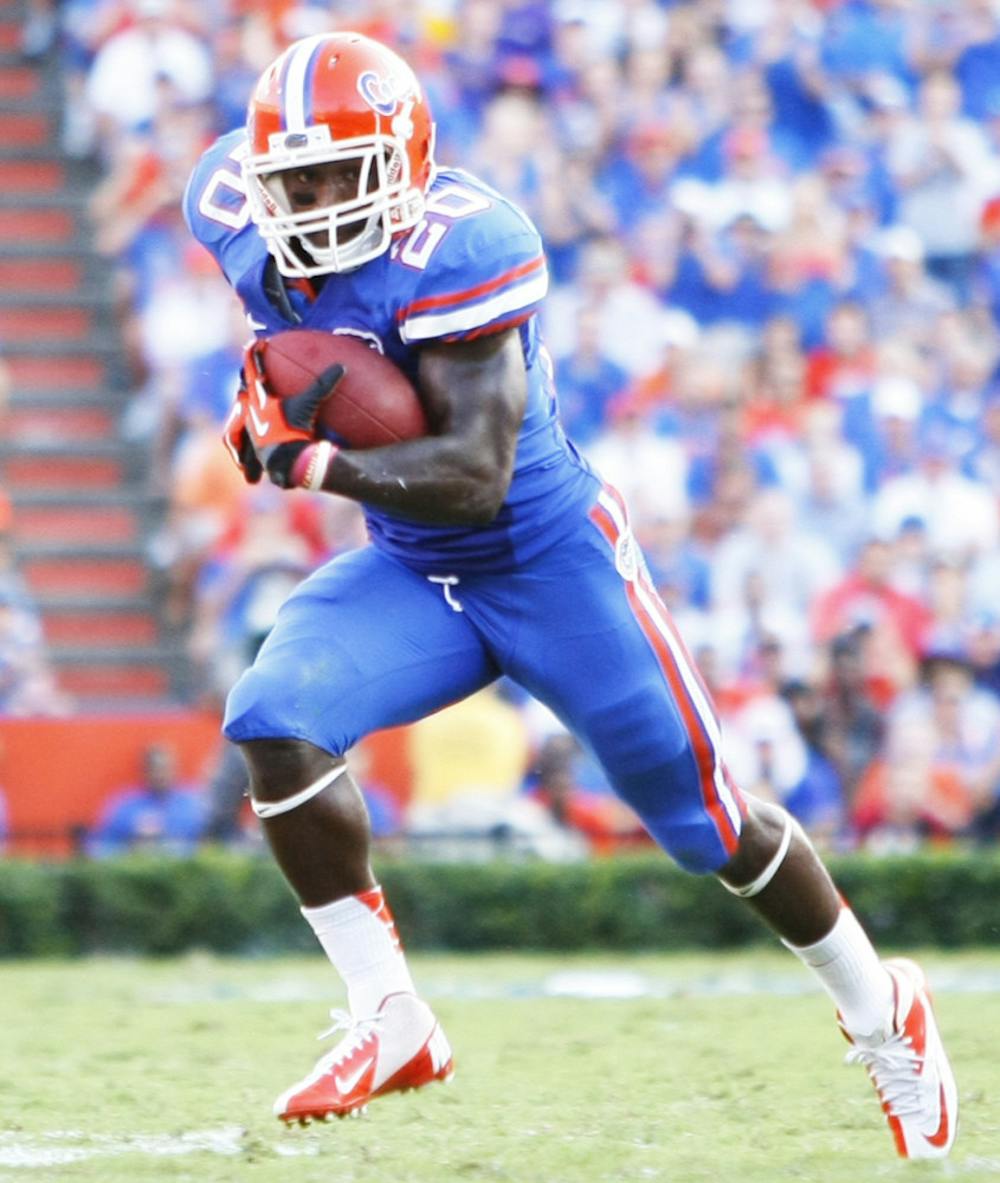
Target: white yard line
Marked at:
56, 1148
60, 1147
574, 983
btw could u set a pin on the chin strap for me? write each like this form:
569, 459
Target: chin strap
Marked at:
756, 886
266, 809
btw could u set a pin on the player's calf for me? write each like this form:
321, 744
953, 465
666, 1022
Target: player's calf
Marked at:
777, 870
314, 816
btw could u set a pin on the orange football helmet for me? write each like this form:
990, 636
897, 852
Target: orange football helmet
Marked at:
331, 98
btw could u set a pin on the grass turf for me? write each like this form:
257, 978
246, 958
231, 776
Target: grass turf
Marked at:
131, 1070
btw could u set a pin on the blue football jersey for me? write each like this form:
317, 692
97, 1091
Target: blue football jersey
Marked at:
473, 265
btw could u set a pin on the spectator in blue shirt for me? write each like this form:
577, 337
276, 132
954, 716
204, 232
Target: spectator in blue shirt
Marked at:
861, 39
588, 381
157, 814
978, 66
637, 181
818, 798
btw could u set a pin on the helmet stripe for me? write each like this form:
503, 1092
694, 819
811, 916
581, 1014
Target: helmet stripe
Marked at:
283, 86
308, 86
297, 83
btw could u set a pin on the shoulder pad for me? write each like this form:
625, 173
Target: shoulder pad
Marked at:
215, 204
479, 262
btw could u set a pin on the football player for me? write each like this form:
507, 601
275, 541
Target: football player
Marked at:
495, 549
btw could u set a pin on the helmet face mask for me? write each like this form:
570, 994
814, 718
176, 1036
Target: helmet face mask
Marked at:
346, 233
337, 99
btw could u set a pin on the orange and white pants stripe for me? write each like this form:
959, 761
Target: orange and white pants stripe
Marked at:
721, 799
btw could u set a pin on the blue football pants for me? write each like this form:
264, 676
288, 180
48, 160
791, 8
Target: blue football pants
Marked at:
366, 643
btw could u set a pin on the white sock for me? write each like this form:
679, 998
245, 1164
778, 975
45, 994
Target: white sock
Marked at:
850, 971
359, 936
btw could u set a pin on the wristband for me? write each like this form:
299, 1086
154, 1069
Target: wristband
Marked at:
312, 464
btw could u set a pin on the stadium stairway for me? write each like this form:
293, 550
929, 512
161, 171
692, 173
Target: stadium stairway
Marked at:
81, 510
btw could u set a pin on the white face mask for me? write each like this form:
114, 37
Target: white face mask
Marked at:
353, 230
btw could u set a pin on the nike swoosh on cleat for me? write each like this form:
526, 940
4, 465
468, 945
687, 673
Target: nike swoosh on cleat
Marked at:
940, 1135
346, 1083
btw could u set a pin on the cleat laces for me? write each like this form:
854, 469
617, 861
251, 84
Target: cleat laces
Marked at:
359, 1032
894, 1068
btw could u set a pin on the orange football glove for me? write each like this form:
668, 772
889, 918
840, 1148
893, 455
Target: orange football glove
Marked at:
266, 433
237, 439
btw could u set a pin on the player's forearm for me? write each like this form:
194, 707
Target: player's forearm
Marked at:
475, 396
441, 481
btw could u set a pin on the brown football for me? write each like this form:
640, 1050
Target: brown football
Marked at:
372, 405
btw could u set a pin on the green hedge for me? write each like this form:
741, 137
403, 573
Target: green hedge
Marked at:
240, 904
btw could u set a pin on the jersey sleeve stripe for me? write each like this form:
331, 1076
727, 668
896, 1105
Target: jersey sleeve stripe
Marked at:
474, 316
482, 289
495, 326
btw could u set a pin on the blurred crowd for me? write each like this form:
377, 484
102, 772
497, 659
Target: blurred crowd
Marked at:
773, 230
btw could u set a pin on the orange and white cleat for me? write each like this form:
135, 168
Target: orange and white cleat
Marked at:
401, 1047
910, 1070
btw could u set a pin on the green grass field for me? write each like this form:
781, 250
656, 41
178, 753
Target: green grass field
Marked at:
715, 1068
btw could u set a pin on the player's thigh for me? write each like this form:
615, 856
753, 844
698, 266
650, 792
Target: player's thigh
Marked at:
603, 652
364, 643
